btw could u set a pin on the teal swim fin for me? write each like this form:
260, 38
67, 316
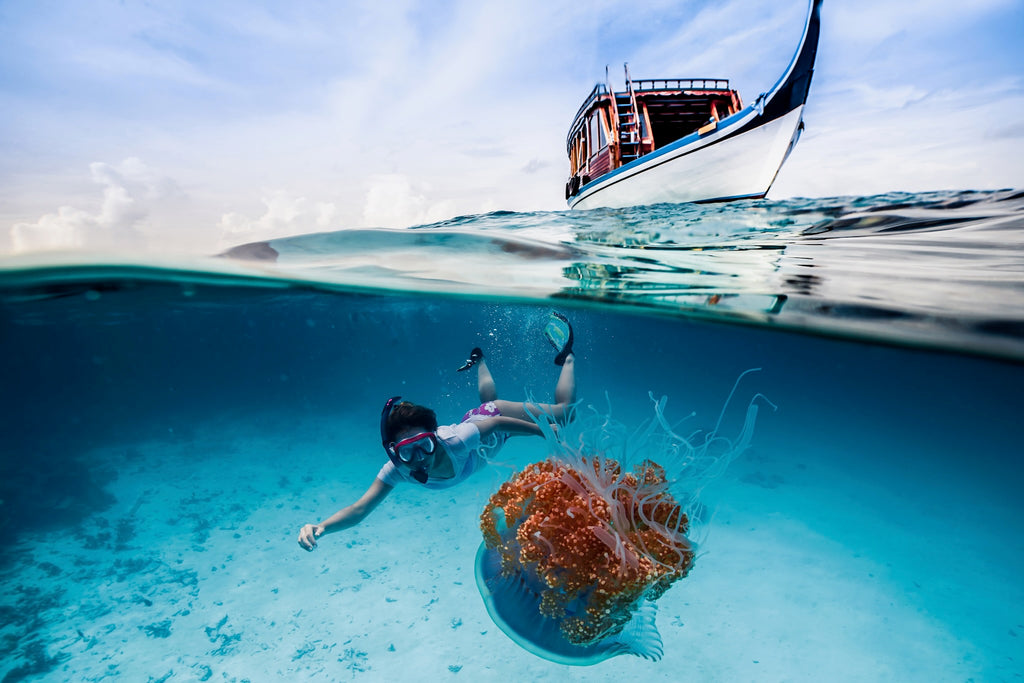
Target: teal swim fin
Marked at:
559, 333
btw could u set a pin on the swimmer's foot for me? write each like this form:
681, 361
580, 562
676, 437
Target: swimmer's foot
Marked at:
559, 333
474, 356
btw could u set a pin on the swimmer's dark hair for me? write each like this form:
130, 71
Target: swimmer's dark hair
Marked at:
407, 414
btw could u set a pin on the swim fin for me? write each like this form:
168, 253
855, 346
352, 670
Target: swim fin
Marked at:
559, 333
474, 355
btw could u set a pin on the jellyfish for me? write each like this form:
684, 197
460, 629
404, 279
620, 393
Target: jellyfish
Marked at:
578, 548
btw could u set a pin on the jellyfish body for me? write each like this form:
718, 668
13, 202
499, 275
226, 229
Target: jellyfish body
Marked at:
513, 602
574, 556
577, 548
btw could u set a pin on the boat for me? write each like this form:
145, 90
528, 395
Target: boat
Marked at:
686, 139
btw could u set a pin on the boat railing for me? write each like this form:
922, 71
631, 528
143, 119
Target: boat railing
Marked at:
644, 84
600, 90
613, 113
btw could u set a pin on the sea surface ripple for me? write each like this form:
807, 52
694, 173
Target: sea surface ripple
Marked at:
940, 270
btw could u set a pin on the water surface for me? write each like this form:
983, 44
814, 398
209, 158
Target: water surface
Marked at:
170, 423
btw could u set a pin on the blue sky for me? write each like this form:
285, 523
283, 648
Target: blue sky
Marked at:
197, 124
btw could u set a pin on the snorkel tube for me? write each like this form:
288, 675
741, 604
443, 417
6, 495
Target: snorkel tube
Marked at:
384, 415
420, 473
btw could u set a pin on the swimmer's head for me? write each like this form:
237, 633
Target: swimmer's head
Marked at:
407, 415
415, 426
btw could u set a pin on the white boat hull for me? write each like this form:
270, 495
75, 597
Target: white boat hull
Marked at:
737, 160
716, 167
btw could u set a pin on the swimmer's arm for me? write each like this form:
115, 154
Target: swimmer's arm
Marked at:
510, 425
347, 516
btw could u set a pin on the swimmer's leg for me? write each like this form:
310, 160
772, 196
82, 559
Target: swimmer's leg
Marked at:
565, 390
484, 382
565, 397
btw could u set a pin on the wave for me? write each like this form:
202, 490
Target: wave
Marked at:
940, 270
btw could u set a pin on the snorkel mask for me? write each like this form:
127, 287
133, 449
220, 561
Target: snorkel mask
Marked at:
414, 452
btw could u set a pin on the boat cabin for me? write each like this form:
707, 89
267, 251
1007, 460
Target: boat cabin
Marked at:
612, 129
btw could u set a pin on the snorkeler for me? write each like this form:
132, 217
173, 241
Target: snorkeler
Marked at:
420, 451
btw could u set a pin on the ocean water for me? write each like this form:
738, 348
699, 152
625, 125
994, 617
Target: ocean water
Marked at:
169, 423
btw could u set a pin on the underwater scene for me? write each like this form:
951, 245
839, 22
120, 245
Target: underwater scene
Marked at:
794, 451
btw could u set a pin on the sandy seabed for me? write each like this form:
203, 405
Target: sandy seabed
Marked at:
808, 573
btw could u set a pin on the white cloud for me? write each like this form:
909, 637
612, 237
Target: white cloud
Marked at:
868, 97
284, 215
65, 229
393, 200
950, 139
873, 21
126, 63
130, 189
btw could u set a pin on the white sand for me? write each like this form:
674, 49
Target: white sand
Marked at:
808, 574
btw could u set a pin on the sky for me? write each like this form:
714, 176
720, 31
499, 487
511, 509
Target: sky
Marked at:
194, 125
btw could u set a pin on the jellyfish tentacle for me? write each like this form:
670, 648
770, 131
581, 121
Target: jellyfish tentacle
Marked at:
732, 392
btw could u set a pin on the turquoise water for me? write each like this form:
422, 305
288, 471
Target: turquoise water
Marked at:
170, 423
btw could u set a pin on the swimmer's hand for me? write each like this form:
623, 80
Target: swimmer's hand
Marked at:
308, 535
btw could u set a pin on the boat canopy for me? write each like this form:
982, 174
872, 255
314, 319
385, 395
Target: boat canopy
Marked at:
614, 128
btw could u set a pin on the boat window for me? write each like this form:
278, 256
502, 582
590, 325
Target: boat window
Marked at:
578, 152
596, 135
